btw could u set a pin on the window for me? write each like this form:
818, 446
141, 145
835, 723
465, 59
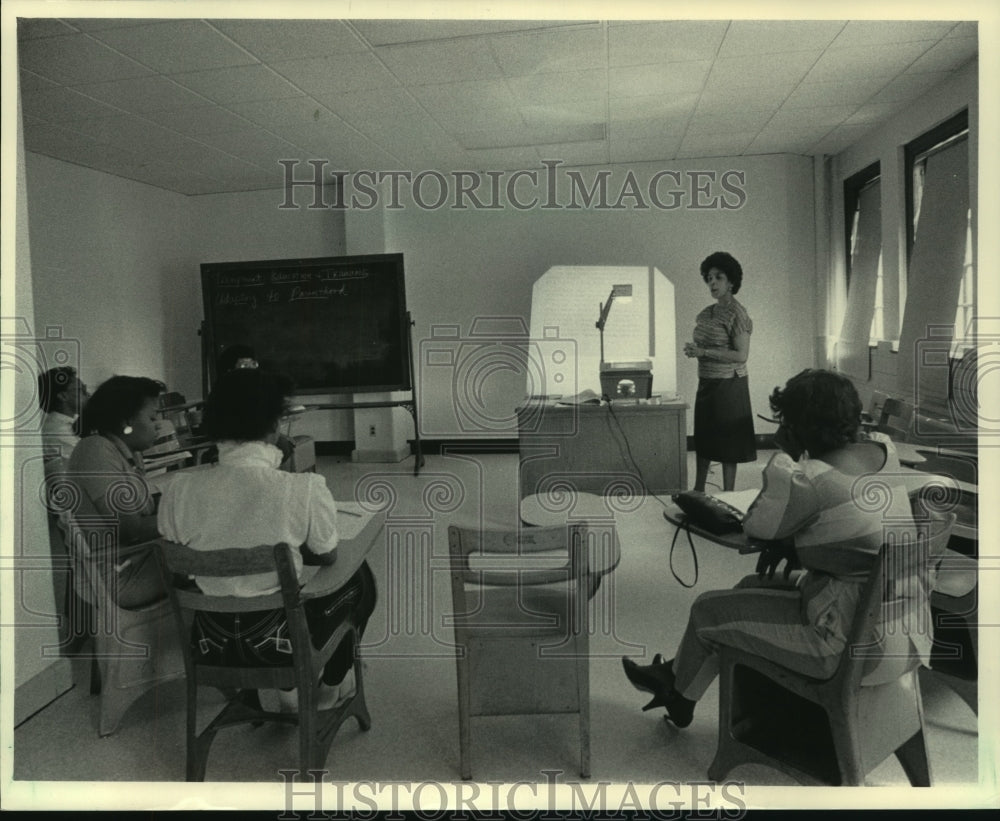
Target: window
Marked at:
864, 317
941, 287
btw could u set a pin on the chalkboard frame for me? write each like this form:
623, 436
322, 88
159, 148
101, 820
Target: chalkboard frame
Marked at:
389, 263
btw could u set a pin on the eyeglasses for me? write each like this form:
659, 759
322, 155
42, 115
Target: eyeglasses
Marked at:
768, 419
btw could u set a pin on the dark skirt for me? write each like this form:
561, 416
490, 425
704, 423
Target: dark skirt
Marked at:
723, 421
261, 638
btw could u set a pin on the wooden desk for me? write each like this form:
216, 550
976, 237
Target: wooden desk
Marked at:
604, 448
737, 540
359, 530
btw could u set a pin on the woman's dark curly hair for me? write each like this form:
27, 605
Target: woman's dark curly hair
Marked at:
727, 264
245, 405
115, 402
822, 409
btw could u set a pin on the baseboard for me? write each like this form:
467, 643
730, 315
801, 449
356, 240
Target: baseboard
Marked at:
381, 455
42, 689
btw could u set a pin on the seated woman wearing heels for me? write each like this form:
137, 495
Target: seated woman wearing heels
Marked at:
827, 499
246, 501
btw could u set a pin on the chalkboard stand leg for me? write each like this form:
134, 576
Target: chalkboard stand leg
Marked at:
418, 461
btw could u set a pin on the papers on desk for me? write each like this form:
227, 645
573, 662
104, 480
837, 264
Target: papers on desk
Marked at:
740, 499
351, 519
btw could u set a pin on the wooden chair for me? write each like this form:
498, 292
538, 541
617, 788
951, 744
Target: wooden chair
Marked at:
521, 630
825, 731
240, 684
955, 609
134, 650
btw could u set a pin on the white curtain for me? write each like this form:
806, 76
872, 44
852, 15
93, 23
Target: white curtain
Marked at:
852, 347
935, 276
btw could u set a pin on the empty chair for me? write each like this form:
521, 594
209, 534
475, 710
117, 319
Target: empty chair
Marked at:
827, 731
521, 633
317, 728
135, 649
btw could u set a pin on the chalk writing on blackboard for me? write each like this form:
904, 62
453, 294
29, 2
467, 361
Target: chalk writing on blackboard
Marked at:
334, 324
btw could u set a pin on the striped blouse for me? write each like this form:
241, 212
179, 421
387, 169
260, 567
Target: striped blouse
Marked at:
717, 327
839, 523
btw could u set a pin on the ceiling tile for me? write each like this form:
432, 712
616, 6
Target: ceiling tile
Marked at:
101, 23
669, 106
240, 84
572, 112
713, 145
846, 65
908, 87
650, 129
756, 37
808, 95
840, 138
967, 28
343, 72
544, 89
867, 33
646, 150
949, 54
390, 105
288, 112
465, 97
271, 40
736, 119
805, 118
197, 120
577, 153
771, 144
550, 52
667, 78
675, 41
127, 130
31, 82
719, 98
426, 63
178, 45
62, 104
143, 94
784, 69
31, 28
505, 159
253, 145
385, 32
874, 113
77, 59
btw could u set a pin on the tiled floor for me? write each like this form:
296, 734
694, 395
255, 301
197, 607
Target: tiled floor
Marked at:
410, 672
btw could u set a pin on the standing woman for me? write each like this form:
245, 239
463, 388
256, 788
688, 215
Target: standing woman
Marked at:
723, 421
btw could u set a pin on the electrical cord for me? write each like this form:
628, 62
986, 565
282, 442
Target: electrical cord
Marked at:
626, 454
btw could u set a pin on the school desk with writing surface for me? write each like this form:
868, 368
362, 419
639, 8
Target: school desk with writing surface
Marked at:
603, 448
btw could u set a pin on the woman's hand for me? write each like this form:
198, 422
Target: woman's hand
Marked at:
691, 350
772, 553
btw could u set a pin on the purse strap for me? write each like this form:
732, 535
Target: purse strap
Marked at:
694, 554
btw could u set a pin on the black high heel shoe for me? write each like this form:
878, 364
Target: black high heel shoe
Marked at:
658, 679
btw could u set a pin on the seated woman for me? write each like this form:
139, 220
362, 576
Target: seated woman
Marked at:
830, 499
246, 501
116, 424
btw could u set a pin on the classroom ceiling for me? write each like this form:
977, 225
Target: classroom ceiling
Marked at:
208, 106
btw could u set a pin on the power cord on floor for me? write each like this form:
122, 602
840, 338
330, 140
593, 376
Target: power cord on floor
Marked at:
627, 454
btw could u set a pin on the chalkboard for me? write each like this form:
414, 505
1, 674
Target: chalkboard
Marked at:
333, 324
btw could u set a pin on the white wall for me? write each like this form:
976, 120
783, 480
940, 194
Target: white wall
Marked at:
250, 226
111, 264
465, 264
